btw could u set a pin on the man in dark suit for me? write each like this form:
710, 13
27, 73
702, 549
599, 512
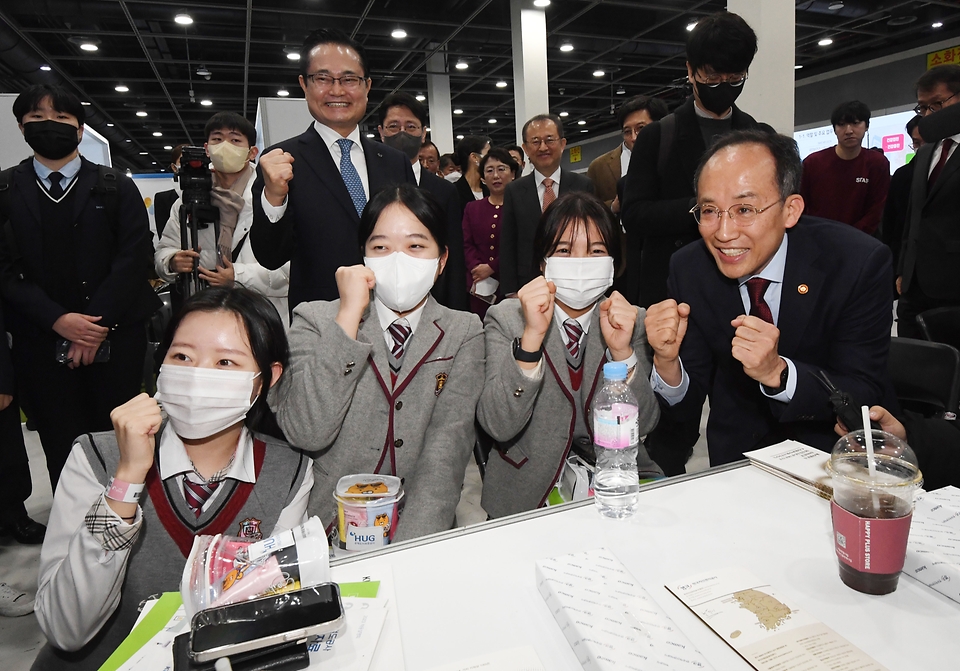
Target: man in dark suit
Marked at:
163, 200
766, 298
929, 268
73, 270
658, 189
525, 199
896, 209
311, 189
403, 126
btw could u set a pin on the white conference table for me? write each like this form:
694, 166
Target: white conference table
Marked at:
471, 591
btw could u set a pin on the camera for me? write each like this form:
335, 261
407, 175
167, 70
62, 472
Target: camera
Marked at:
194, 176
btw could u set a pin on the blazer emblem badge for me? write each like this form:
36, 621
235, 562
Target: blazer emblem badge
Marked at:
250, 528
803, 289
441, 380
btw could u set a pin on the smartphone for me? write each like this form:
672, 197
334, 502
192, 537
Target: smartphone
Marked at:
250, 625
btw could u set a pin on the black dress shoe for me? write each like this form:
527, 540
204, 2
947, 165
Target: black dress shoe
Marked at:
24, 531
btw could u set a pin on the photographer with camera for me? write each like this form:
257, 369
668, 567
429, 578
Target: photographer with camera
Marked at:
220, 201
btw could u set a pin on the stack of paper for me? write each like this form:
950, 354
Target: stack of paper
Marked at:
608, 619
796, 463
933, 551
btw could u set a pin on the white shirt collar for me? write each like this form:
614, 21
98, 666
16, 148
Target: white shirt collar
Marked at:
774, 270
417, 171
539, 178
69, 171
388, 316
174, 459
331, 136
559, 316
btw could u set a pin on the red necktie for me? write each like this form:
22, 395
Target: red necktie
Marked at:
574, 331
197, 493
944, 154
549, 195
758, 307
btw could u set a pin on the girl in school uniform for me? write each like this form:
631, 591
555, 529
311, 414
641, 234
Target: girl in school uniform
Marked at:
545, 354
387, 381
130, 501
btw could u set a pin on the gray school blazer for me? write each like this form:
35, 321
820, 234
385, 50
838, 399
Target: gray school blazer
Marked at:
534, 422
336, 402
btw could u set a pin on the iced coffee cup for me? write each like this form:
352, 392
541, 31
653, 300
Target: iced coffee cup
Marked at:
872, 508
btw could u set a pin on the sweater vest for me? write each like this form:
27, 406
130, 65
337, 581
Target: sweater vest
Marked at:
156, 561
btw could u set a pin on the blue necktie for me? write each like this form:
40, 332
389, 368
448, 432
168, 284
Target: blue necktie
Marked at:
351, 178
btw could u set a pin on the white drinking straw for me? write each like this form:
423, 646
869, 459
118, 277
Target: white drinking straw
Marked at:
871, 456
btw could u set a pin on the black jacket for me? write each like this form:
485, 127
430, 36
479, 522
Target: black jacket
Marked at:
449, 289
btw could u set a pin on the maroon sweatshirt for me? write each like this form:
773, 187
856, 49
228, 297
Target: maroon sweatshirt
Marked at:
852, 192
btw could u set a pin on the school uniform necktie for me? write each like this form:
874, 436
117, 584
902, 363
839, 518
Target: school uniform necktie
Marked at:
944, 154
574, 332
549, 195
56, 191
758, 307
197, 493
351, 178
400, 331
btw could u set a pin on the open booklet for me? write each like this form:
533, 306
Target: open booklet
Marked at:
933, 551
769, 632
796, 463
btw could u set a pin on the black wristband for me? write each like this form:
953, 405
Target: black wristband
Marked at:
521, 354
784, 374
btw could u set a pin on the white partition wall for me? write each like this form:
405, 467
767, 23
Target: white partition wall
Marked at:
279, 119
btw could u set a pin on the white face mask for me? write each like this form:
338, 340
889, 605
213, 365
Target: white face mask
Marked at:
580, 282
202, 401
402, 280
227, 157
453, 176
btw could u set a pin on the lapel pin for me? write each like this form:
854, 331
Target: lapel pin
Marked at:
379, 154
803, 289
441, 380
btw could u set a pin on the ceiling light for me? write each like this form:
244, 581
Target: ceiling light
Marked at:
371, 135
501, 84
585, 131
120, 88
157, 133
461, 65
564, 114
202, 71
901, 20
128, 140
825, 42
798, 67
206, 103
458, 111
89, 46
168, 147
936, 24
582, 122
491, 121
141, 113
153, 163
398, 34
835, 6
541, 3
621, 91
85, 103
143, 153
691, 26
566, 46
109, 125
293, 56
421, 97
599, 73
45, 67
459, 137
183, 19
283, 93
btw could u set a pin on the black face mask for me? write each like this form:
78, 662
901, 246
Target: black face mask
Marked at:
718, 99
51, 139
408, 144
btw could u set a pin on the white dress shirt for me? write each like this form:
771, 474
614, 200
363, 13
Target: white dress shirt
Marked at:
541, 188
773, 271
388, 316
416, 172
624, 159
330, 138
937, 152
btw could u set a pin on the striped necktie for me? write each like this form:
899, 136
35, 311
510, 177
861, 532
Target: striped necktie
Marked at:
549, 195
756, 287
400, 331
574, 332
351, 178
197, 493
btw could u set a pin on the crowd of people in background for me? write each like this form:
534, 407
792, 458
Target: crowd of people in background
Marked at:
433, 300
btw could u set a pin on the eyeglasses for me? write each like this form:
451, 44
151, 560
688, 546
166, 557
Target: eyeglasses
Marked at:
323, 81
916, 145
714, 80
631, 132
550, 141
934, 106
411, 128
740, 214
491, 170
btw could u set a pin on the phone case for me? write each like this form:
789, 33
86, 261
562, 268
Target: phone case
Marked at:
289, 656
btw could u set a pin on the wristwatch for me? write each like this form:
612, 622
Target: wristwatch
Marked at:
521, 354
784, 374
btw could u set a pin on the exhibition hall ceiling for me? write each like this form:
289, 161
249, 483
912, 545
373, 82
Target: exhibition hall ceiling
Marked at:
151, 81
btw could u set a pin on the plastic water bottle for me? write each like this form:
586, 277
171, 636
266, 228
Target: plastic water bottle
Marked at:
616, 436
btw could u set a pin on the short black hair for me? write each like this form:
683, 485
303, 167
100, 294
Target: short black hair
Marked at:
428, 143
231, 121
575, 209
265, 332
421, 203
401, 99
942, 74
501, 154
724, 41
470, 144
543, 117
330, 36
852, 111
656, 108
446, 160
516, 148
786, 156
912, 124
60, 99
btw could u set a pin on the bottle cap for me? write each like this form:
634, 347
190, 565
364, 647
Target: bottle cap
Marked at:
615, 370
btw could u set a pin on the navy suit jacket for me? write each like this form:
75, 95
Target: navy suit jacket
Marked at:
319, 230
834, 315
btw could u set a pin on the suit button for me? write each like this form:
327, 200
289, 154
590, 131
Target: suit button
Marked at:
347, 371
493, 225
351, 364
398, 405
491, 258
491, 246
398, 442
678, 244
496, 215
492, 236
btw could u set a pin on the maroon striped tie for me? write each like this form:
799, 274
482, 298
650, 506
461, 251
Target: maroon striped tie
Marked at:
758, 307
400, 333
197, 493
574, 332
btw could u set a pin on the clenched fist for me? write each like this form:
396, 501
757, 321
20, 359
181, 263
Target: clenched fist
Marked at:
277, 169
354, 284
536, 299
666, 325
755, 346
617, 319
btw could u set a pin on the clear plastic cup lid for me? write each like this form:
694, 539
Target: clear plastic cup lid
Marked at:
895, 462
368, 486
